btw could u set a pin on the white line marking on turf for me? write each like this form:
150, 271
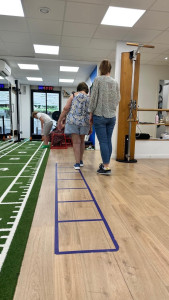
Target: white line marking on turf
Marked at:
14, 148
7, 163
7, 176
4, 203
4, 237
13, 192
13, 229
5, 229
14, 158
16, 178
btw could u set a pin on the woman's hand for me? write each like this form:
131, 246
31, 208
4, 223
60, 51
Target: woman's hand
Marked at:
91, 119
59, 125
90, 130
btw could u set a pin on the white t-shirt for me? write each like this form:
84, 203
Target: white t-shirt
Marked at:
44, 117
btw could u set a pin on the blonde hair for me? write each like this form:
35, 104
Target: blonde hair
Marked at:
105, 67
34, 113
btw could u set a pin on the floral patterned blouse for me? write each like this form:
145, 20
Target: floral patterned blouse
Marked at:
79, 111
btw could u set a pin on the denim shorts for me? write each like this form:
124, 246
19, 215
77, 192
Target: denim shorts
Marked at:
81, 130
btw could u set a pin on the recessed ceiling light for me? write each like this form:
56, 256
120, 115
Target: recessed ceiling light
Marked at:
166, 58
119, 16
34, 79
44, 49
44, 10
66, 80
11, 8
28, 67
69, 69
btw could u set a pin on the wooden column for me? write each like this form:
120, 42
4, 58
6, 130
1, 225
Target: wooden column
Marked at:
125, 90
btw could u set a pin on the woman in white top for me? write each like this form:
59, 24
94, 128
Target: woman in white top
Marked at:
104, 100
46, 125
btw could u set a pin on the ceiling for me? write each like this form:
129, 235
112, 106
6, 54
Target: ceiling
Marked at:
74, 26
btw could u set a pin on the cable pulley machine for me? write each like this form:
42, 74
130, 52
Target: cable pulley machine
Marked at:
130, 66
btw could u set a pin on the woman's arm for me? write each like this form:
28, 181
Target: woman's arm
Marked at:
64, 112
94, 96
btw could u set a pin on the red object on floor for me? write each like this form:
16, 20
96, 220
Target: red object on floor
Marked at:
58, 141
69, 141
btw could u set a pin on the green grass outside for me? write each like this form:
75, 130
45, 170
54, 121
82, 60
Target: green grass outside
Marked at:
11, 267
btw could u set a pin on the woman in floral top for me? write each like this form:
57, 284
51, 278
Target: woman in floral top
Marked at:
77, 121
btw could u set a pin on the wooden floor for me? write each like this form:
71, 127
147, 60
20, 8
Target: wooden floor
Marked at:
135, 203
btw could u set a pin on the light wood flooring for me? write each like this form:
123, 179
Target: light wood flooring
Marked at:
135, 203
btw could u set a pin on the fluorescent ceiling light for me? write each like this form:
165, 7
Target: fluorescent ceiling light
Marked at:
34, 79
46, 49
119, 16
2, 77
69, 69
11, 8
66, 80
28, 67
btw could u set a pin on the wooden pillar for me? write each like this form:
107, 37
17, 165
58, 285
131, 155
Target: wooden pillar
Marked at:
125, 90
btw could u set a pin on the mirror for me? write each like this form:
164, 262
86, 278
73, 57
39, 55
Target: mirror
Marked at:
163, 103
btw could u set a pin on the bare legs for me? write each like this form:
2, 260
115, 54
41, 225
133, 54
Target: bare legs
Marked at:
78, 146
45, 139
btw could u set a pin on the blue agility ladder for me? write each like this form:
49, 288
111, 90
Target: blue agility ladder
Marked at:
58, 222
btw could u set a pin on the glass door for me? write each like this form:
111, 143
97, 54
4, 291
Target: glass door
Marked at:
39, 104
45, 102
5, 113
52, 103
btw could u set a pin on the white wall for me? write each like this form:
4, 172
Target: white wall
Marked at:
25, 111
14, 111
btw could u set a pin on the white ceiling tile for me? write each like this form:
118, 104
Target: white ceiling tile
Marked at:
158, 48
147, 56
78, 29
10, 23
159, 59
75, 26
14, 49
85, 13
84, 51
105, 2
141, 35
143, 4
32, 9
161, 5
102, 44
153, 20
162, 38
45, 26
45, 39
72, 41
111, 32
15, 36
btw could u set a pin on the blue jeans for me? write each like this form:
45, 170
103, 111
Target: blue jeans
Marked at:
104, 130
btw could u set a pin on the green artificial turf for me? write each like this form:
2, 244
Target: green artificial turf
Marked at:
11, 267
